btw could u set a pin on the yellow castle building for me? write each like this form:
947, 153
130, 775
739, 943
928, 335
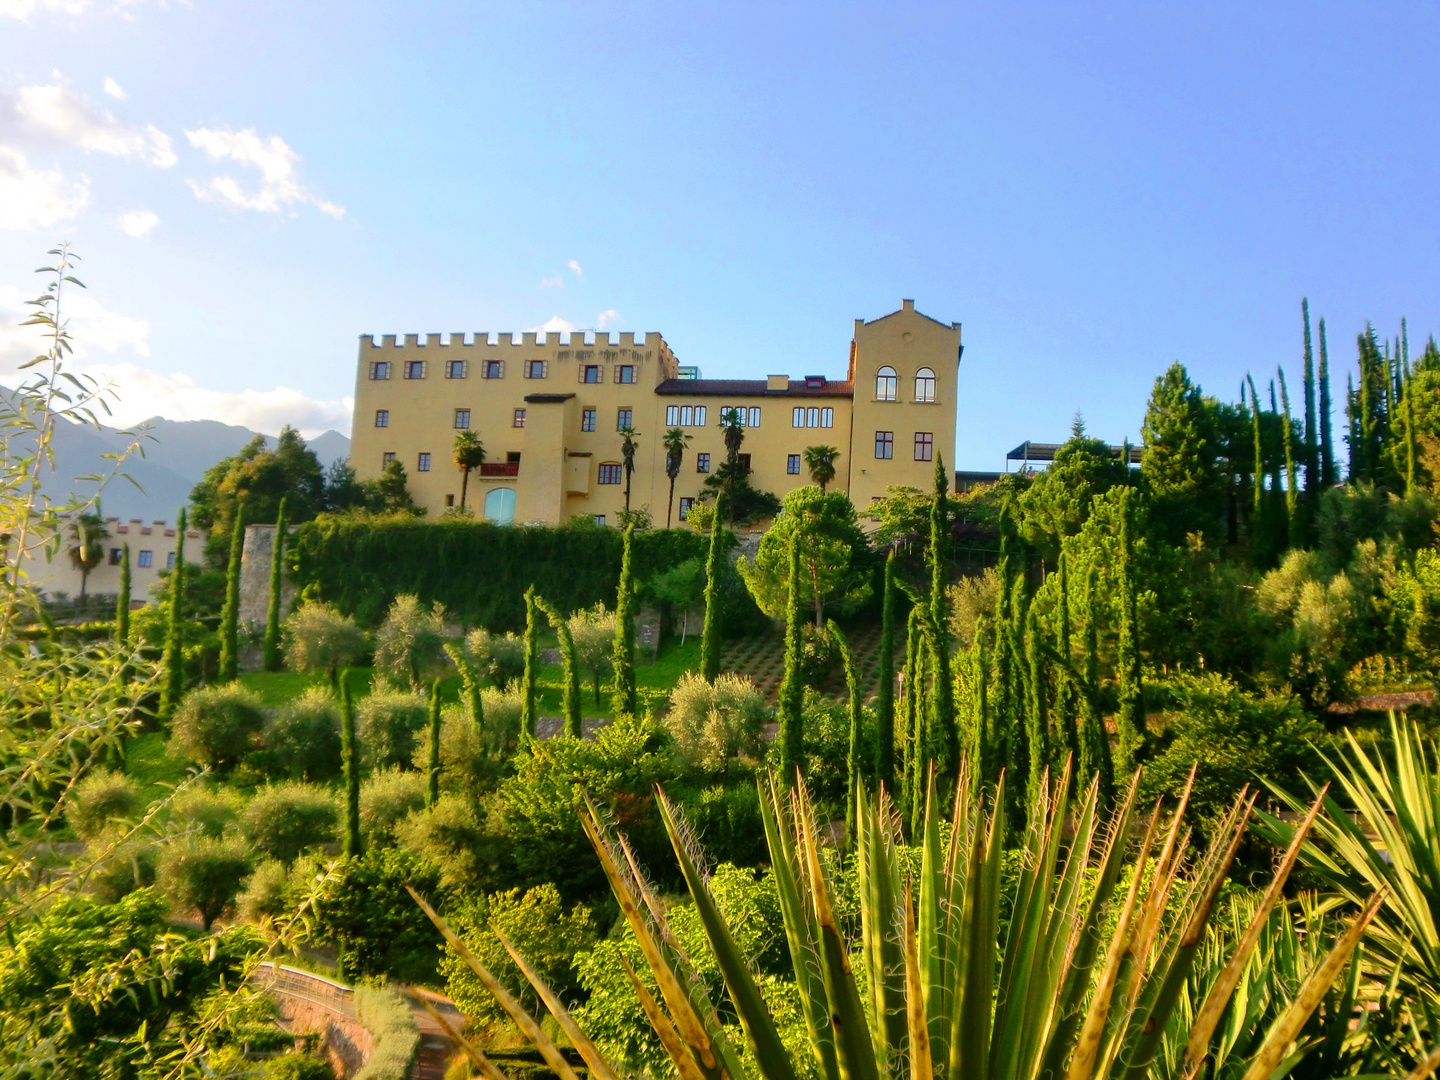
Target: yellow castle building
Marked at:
550, 412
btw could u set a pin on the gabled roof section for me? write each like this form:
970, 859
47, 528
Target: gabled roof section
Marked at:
909, 306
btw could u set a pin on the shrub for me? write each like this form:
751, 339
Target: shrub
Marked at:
130, 866
208, 811
465, 760
593, 631
712, 724
203, 874
819, 655
547, 933
503, 709
320, 639
264, 894
452, 836
386, 798
284, 820
298, 1067
500, 656
302, 739
217, 725
394, 1038
378, 927
99, 799
727, 822
387, 721
409, 646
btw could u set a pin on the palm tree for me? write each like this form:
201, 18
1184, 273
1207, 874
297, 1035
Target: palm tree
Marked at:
820, 460
469, 454
675, 440
87, 534
627, 456
732, 422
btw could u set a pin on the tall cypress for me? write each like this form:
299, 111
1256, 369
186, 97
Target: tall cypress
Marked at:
1295, 531
854, 769
1130, 719
1369, 427
474, 703
920, 752
910, 701
625, 700
528, 702
1327, 449
1004, 712
710, 635
1258, 466
1065, 690
277, 568
792, 688
1094, 741
1408, 407
942, 698
172, 661
1312, 437
570, 666
1352, 417
885, 698
350, 767
432, 783
1037, 716
230, 614
122, 603
979, 749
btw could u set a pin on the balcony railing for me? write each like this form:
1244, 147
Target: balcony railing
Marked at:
500, 468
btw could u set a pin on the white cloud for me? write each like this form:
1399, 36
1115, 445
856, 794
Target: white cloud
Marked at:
93, 328
606, 318
554, 325
137, 223
556, 282
22, 9
574, 265
33, 198
279, 187
113, 89
57, 114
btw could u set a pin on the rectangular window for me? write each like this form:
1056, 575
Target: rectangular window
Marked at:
449, 500
609, 474
792, 464
534, 369
623, 419
812, 417
454, 369
462, 419
587, 420
519, 418
685, 504
753, 419
494, 369
924, 446
590, 373
687, 416
147, 558
115, 554
170, 561
699, 415
625, 373
702, 463
600, 520
744, 462
672, 415
827, 417
797, 417
422, 464
389, 457
380, 369
414, 369
884, 445
382, 417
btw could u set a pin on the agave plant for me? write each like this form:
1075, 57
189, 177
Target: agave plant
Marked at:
1083, 983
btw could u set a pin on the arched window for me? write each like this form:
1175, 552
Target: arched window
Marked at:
887, 384
500, 506
924, 385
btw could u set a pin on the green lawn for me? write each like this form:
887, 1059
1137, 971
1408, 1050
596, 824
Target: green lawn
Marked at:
157, 772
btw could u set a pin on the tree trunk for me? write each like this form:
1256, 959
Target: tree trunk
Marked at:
464, 484
670, 506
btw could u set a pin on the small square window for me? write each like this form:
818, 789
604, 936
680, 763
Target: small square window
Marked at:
623, 419
382, 417
587, 420
462, 419
672, 415
625, 373
414, 369
924, 446
170, 560
702, 463
454, 369
494, 369
380, 369
389, 457
115, 554
792, 464
422, 464
519, 418
535, 369
609, 474
590, 373
449, 500
146, 559
685, 504
884, 445
600, 519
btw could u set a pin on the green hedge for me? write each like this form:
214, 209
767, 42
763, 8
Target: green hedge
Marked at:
479, 571
394, 1036
88, 631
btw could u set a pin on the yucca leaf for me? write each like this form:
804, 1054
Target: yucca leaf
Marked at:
670, 1040
917, 1024
488, 1068
879, 880
969, 1049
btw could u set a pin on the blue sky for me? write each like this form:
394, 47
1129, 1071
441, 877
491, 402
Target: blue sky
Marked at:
1093, 190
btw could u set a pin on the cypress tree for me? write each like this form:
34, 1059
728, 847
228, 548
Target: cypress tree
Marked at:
1130, 719
528, 702
1408, 406
122, 603
1327, 450
942, 697
1004, 718
1065, 690
710, 635
432, 785
1369, 427
1295, 532
920, 755
1037, 716
230, 615
1258, 467
172, 661
854, 769
570, 681
1312, 439
911, 684
272, 619
624, 701
474, 703
1352, 417
792, 689
979, 749
350, 766
1094, 741
885, 698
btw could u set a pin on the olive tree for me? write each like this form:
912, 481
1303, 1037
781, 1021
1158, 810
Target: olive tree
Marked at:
317, 638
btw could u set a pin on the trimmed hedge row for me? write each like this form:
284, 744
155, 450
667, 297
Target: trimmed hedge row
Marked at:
478, 570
